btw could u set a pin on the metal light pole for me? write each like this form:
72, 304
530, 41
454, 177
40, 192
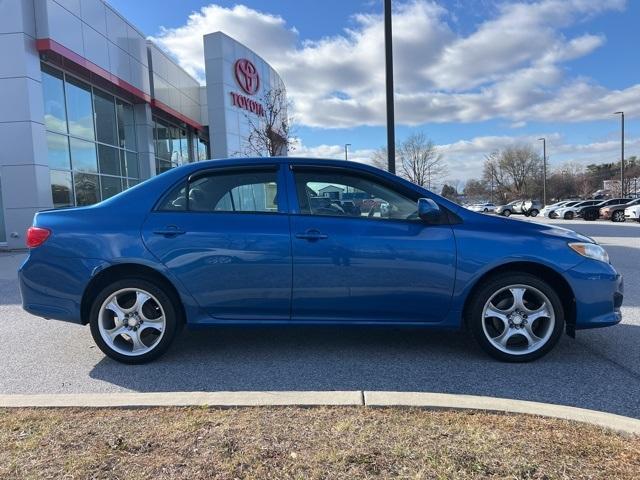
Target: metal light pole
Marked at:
621, 154
388, 57
544, 170
346, 151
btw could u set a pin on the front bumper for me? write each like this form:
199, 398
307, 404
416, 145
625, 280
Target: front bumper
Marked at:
599, 291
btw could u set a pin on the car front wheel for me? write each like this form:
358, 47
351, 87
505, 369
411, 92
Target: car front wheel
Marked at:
534, 213
133, 320
618, 216
516, 317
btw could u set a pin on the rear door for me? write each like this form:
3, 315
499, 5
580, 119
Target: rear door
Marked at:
224, 233
374, 261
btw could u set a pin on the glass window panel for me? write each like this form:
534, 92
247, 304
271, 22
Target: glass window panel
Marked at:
55, 116
185, 154
87, 188
132, 182
58, 151
109, 159
131, 164
83, 155
341, 195
175, 145
126, 125
237, 192
105, 108
202, 149
61, 189
79, 109
163, 140
164, 165
110, 186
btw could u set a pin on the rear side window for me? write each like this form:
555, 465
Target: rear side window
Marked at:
245, 191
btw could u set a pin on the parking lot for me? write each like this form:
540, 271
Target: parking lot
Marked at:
599, 370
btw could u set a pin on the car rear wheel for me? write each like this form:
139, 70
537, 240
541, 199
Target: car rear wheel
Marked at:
506, 213
591, 216
569, 216
516, 317
133, 320
618, 216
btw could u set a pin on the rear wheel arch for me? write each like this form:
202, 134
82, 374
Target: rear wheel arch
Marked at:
122, 271
549, 275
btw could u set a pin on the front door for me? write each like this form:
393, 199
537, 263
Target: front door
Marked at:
225, 235
361, 254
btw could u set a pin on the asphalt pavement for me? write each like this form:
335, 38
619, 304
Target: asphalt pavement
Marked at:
599, 370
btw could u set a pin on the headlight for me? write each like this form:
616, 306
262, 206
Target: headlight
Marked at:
590, 250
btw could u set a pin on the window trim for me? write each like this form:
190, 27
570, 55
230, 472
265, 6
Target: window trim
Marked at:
218, 170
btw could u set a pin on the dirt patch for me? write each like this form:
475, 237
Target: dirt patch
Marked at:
305, 443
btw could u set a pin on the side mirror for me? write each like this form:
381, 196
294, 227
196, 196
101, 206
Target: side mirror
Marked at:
428, 210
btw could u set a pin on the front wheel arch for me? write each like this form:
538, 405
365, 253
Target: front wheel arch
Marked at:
118, 272
541, 271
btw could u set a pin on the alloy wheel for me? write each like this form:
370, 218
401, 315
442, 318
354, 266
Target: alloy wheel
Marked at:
518, 319
618, 216
131, 321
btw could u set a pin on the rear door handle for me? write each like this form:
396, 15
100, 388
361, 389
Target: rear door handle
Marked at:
311, 235
169, 231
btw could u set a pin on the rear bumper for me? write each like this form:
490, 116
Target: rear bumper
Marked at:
599, 291
52, 287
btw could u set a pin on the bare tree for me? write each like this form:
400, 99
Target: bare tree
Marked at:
380, 159
270, 127
420, 162
515, 170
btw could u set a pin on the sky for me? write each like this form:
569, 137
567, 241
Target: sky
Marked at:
473, 75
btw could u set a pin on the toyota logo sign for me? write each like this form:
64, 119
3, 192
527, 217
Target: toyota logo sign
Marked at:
247, 76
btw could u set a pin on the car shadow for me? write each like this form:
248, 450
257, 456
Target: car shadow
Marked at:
575, 373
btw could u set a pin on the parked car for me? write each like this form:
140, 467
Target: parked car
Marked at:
552, 209
531, 208
571, 212
483, 207
510, 208
175, 250
632, 213
592, 212
545, 209
615, 213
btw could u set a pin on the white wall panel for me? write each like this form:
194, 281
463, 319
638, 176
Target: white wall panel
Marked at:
96, 47
94, 13
64, 27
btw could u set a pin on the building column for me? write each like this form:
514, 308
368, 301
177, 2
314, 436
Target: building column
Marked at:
24, 168
144, 136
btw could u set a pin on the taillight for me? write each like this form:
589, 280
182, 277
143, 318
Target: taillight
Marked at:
36, 236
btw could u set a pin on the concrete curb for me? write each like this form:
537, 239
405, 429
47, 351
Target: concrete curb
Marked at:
471, 402
325, 398
183, 399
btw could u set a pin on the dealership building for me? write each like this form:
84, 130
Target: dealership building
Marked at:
89, 107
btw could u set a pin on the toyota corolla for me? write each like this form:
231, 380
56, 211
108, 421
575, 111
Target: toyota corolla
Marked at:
271, 241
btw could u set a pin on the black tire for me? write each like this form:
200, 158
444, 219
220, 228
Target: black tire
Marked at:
485, 210
590, 216
173, 319
506, 213
569, 215
618, 216
475, 306
534, 213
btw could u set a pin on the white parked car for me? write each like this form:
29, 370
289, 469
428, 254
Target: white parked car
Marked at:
548, 208
482, 207
632, 213
570, 212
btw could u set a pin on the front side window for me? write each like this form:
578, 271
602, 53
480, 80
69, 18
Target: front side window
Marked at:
347, 195
247, 191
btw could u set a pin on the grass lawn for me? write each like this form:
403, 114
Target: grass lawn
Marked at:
305, 443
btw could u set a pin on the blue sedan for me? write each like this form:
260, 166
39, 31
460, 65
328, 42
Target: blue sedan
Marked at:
300, 241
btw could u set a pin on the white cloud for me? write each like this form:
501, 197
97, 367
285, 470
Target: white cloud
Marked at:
466, 157
510, 67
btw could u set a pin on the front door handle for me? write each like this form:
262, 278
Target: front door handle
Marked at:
169, 231
312, 235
